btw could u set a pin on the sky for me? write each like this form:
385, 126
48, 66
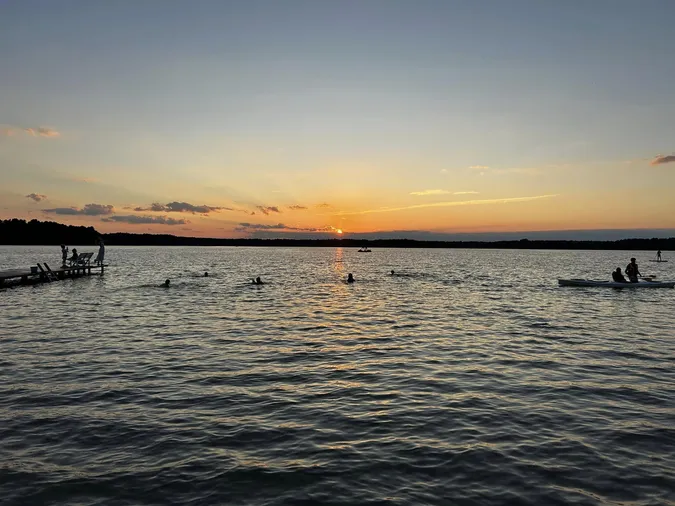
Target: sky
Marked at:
257, 118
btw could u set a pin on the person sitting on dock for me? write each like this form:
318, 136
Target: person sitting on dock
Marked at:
73, 259
64, 254
632, 271
617, 277
101, 252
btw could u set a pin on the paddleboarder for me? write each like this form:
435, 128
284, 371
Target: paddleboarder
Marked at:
658, 256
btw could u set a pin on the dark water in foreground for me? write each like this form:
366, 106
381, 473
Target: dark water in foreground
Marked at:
471, 378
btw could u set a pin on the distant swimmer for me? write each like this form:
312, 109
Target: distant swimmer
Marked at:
658, 256
206, 274
632, 271
350, 278
258, 281
617, 277
392, 272
167, 283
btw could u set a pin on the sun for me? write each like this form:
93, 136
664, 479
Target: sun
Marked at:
338, 231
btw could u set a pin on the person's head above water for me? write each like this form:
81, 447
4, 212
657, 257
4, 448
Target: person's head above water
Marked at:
392, 272
206, 274
350, 278
167, 282
258, 281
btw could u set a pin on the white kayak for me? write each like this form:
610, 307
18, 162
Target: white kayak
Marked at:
614, 284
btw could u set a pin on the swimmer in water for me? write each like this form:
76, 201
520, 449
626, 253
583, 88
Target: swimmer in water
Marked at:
392, 272
350, 278
206, 274
167, 283
257, 281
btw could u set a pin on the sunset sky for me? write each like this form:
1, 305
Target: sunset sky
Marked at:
240, 118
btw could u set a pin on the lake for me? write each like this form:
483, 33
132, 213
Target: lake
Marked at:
468, 377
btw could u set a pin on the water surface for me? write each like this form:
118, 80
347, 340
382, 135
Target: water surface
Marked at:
469, 377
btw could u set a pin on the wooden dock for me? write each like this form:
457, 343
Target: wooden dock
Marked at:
43, 274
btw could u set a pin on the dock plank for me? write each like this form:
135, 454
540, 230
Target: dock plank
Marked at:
15, 273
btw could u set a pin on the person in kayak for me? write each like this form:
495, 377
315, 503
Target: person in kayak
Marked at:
617, 277
632, 271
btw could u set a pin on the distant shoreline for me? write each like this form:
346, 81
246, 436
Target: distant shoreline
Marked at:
38, 233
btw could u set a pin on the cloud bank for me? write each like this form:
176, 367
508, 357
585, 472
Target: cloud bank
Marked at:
181, 207
145, 220
661, 159
266, 210
88, 210
37, 197
251, 227
297, 208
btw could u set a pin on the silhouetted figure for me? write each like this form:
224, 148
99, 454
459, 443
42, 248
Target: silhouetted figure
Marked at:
167, 283
658, 256
632, 271
617, 277
258, 281
350, 278
64, 254
206, 274
101, 252
392, 272
73, 259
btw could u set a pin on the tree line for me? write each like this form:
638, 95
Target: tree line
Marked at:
35, 232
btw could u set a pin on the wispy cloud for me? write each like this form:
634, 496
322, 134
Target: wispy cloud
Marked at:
324, 205
507, 200
441, 192
181, 207
40, 131
88, 210
525, 171
250, 227
145, 220
297, 208
37, 197
661, 159
479, 167
266, 210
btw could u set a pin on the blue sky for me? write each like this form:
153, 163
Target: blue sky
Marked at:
357, 104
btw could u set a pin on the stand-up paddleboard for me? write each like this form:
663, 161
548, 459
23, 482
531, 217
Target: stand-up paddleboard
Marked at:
659, 261
614, 284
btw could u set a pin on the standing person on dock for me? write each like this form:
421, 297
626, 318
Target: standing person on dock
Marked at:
64, 254
101, 252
